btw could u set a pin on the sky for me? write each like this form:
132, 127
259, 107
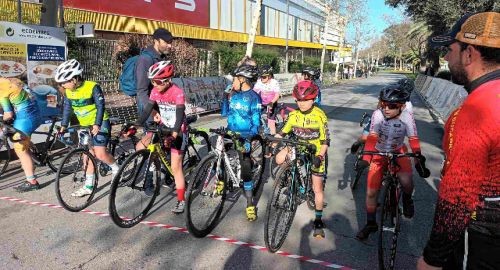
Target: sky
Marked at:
376, 22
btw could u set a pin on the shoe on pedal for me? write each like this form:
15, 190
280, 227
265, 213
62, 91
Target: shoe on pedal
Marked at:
318, 228
81, 192
27, 186
179, 207
408, 208
251, 213
220, 187
366, 231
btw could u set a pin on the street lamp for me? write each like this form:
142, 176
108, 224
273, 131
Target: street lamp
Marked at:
287, 30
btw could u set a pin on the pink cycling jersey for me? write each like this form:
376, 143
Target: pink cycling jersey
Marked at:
392, 132
267, 91
167, 103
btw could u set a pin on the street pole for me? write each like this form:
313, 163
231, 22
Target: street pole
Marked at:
61, 13
287, 30
19, 12
323, 52
253, 30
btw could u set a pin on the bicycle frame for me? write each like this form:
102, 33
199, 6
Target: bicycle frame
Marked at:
220, 151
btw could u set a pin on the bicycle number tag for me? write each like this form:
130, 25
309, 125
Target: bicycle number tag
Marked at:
219, 146
293, 154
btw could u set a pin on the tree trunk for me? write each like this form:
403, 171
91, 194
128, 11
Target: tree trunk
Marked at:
253, 30
323, 52
356, 63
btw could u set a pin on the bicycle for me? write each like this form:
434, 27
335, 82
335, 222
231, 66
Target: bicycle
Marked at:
281, 118
390, 210
204, 197
49, 153
128, 201
358, 169
72, 172
292, 186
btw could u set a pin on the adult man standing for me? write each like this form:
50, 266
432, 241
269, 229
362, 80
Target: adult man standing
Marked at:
466, 230
162, 42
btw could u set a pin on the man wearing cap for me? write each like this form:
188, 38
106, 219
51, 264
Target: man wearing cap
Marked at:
162, 42
466, 230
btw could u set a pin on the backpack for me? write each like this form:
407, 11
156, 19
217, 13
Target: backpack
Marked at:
128, 80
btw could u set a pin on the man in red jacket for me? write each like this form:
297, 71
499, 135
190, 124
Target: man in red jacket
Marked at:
466, 230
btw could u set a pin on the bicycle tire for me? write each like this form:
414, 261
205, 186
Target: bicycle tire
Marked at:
257, 154
203, 186
282, 225
132, 178
5, 157
67, 175
390, 217
57, 151
359, 171
192, 157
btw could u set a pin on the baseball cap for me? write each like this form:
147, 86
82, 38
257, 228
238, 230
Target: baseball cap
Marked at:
482, 29
162, 33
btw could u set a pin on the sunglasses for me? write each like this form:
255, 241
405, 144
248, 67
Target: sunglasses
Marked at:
264, 77
159, 82
391, 106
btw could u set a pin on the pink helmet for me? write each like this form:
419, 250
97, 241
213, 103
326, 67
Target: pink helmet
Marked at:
305, 90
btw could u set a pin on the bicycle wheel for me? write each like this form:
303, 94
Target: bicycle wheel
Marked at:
257, 155
389, 226
359, 172
134, 188
281, 210
203, 203
4, 155
71, 177
57, 151
198, 143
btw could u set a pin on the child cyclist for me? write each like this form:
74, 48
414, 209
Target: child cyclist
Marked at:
244, 118
312, 74
18, 105
390, 124
86, 100
309, 123
169, 100
269, 90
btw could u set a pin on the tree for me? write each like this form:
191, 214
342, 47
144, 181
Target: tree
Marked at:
253, 30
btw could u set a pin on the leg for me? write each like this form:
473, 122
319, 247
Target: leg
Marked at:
405, 178
317, 181
177, 155
22, 151
282, 155
144, 142
246, 176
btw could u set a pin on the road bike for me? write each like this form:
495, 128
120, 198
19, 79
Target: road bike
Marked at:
80, 161
292, 186
49, 153
217, 176
281, 117
390, 209
129, 201
358, 168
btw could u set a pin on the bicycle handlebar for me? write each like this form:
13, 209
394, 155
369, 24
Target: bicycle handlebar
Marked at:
363, 119
391, 154
309, 146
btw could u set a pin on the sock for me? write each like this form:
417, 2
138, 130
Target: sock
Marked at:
248, 186
180, 194
89, 181
114, 167
31, 179
318, 213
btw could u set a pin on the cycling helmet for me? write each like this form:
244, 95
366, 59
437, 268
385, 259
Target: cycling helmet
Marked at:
266, 70
68, 70
407, 85
393, 95
305, 90
161, 70
247, 71
312, 72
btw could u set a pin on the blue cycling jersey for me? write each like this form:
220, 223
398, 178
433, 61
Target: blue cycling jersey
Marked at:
244, 113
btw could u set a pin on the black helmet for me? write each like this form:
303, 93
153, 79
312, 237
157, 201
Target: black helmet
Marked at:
266, 70
407, 85
393, 95
312, 72
247, 71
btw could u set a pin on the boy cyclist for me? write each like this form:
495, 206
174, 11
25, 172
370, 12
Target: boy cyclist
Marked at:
244, 118
312, 74
390, 124
269, 90
309, 123
169, 103
86, 100
18, 105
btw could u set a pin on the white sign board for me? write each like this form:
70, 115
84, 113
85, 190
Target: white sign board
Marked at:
84, 30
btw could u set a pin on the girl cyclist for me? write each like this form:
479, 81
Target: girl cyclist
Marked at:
269, 90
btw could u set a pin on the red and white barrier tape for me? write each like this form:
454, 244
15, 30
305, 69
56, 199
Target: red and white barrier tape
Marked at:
184, 230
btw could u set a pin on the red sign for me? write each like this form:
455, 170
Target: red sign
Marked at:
192, 12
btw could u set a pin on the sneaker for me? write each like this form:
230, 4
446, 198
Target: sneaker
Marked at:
27, 186
179, 207
408, 208
220, 187
366, 231
83, 191
318, 226
251, 213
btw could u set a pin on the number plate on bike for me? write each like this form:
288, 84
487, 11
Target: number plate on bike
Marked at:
293, 155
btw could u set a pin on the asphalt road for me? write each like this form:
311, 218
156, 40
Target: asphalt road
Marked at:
43, 236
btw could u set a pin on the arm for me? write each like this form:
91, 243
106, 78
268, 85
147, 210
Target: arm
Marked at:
141, 73
278, 90
98, 97
148, 108
324, 136
67, 111
255, 111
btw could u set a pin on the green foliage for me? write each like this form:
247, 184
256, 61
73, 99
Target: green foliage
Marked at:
309, 61
231, 54
76, 46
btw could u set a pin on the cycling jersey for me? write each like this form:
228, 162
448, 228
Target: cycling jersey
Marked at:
267, 91
171, 104
87, 103
244, 113
310, 126
392, 132
17, 100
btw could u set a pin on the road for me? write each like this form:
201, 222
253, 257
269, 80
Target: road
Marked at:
37, 234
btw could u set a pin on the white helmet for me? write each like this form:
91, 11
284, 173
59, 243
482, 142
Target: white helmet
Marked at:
161, 70
68, 70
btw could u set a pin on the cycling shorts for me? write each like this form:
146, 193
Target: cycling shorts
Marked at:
26, 122
180, 143
102, 137
271, 111
379, 164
